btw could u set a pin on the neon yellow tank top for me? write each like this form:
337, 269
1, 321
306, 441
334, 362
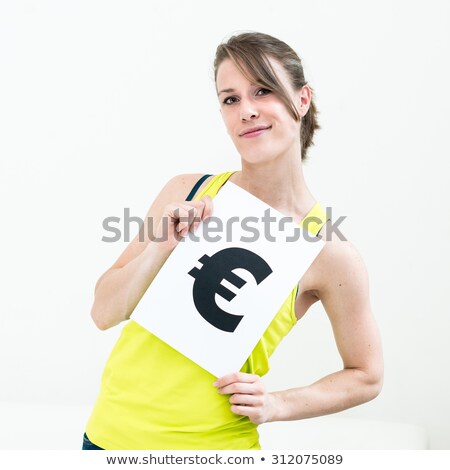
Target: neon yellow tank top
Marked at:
153, 397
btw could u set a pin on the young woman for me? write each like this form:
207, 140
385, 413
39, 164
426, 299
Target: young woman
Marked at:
153, 397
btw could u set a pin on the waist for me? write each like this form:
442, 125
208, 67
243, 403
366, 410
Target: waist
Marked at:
114, 428
152, 397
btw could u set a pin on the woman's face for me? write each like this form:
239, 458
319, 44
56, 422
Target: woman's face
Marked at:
244, 105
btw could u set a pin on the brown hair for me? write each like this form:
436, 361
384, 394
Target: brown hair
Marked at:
249, 52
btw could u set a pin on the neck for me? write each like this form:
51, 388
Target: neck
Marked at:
281, 186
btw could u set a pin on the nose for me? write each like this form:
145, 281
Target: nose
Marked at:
248, 110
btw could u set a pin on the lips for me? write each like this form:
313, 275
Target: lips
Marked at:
254, 130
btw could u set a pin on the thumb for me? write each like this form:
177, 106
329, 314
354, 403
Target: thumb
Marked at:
208, 210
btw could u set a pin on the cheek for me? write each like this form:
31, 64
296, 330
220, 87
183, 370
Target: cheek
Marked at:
289, 124
228, 120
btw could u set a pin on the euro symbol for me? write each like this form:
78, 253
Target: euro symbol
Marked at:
208, 283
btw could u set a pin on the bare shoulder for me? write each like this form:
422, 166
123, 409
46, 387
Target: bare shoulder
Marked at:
338, 266
177, 189
179, 186
338, 271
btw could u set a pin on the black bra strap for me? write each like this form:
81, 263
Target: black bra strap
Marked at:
196, 186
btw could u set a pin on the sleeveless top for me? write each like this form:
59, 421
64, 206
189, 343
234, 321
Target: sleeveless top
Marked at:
153, 397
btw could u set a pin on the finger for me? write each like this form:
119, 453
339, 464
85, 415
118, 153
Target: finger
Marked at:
176, 211
241, 410
208, 210
195, 214
241, 387
183, 216
251, 411
247, 400
198, 215
236, 377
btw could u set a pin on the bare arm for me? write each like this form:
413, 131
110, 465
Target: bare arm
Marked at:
121, 287
344, 292
342, 286
119, 290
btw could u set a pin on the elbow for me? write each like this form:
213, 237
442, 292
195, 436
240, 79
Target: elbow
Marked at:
378, 377
103, 321
97, 319
369, 384
379, 384
98, 309
375, 389
98, 324
374, 384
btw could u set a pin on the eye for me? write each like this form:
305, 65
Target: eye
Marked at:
265, 90
225, 101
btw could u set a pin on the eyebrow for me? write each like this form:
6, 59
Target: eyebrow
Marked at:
227, 90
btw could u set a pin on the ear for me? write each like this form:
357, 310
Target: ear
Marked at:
304, 100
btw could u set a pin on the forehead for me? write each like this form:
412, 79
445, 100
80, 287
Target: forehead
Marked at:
229, 76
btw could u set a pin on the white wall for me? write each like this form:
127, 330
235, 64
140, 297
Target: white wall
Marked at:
90, 95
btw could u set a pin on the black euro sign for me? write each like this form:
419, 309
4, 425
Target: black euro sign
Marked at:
208, 283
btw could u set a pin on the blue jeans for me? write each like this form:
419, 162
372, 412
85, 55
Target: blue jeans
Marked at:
88, 445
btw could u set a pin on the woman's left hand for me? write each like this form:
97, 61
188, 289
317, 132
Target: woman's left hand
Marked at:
248, 396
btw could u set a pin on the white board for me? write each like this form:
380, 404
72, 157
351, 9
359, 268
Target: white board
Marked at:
204, 309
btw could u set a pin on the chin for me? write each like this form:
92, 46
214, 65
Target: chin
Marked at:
256, 156
255, 160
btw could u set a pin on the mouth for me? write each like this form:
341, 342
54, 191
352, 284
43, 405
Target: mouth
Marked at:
256, 133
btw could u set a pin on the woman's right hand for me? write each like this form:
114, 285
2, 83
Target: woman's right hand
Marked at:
178, 218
